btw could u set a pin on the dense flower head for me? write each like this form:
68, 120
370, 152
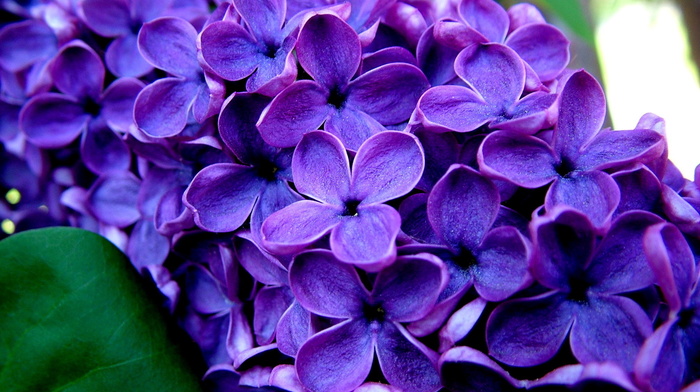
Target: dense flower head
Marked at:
363, 195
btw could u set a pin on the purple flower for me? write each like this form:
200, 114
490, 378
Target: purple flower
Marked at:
164, 107
349, 205
495, 75
329, 50
577, 156
339, 358
584, 278
263, 52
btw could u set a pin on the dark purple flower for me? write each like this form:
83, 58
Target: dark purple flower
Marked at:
579, 153
584, 277
339, 358
495, 75
329, 50
348, 204
25, 43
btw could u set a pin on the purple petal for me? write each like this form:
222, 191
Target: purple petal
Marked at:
275, 74
462, 207
388, 93
367, 239
523, 14
392, 54
461, 323
204, 292
222, 196
104, 151
486, 16
522, 159
620, 264
352, 126
118, 103
672, 261
161, 109
261, 266
528, 332
495, 71
146, 245
616, 148
414, 219
285, 377
275, 196
598, 375
467, 370
24, 43
660, 360
113, 199
330, 68
528, 115
336, 359
264, 18
457, 35
298, 109
543, 47
408, 288
78, 71
321, 168
145, 10
502, 264
230, 51
581, 114
208, 97
237, 128
441, 151
435, 60
52, 120
270, 303
639, 189
239, 338
293, 328
388, 165
453, 108
607, 322
171, 215
123, 57
107, 18
169, 44
594, 193
402, 357
298, 225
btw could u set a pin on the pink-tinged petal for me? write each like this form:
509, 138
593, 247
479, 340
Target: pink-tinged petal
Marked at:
326, 286
229, 50
402, 358
321, 168
264, 18
367, 239
337, 359
78, 71
388, 165
522, 159
673, 263
113, 199
660, 360
392, 54
615, 148
161, 109
563, 246
502, 269
103, 151
352, 126
581, 114
222, 195
528, 115
461, 323
619, 264
168, 43
108, 18
298, 109
293, 329
452, 108
457, 35
408, 288
528, 332
388, 93
609, 329
52, 120
270, 303
495, 71
124, 59
543, 47
285, 377
594, 193
147, 246
298, 225
329, 50
462, 207
486, 16
24, 43
118, 103
465, 369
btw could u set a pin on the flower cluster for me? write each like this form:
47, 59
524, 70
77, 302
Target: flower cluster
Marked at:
363, 195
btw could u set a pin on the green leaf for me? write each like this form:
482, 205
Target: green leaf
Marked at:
74, 316
573, 15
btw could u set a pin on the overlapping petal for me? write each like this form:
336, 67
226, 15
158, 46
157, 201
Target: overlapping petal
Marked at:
53, 120
321, 168
298, 225
594, 193
168, 43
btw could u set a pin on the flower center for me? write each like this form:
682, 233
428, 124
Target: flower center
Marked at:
578, 290
565, 167
685, 318
270, 50
465, 258
266, 170
91, 107
374, 312
351, 208
337, 98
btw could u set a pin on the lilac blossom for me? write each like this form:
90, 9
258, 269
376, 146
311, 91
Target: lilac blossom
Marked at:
339, 358
347, 204
584, 278
353, 110
577, 156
